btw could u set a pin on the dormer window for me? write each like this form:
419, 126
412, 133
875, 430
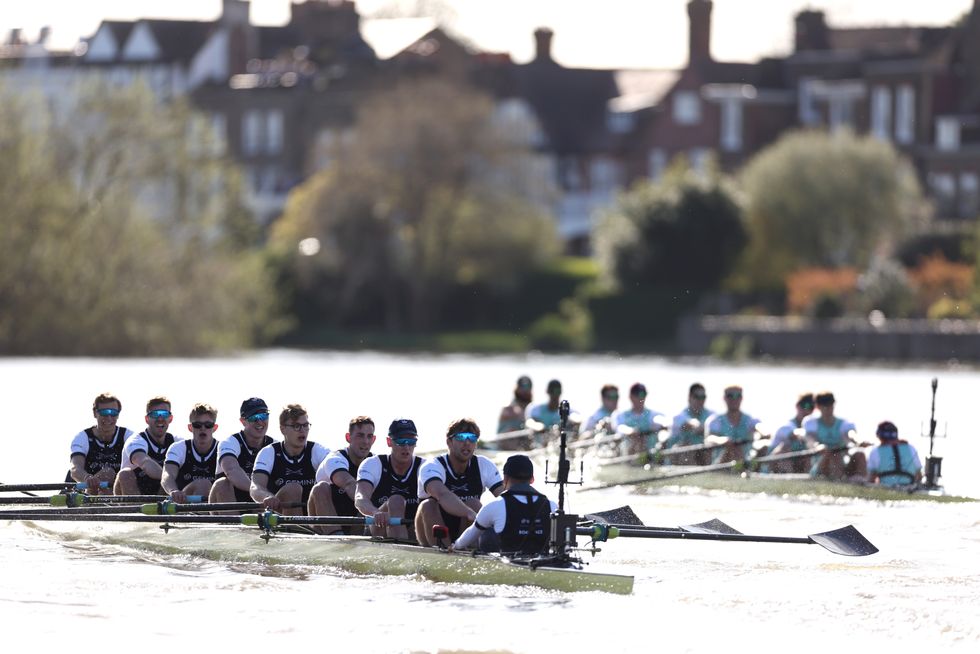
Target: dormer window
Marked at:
687, 108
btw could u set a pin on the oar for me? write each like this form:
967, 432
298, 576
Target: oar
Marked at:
80, 499
165, 507
64, 485
700, 470
263, 520
846, 541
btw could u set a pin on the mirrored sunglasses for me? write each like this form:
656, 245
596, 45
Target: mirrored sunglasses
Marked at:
404, 441
466, 437
202, 425
733, 396
159, 414
108, 412
258, 417
610, 396
699, 396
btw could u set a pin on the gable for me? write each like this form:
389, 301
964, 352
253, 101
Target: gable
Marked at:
102, 46
141, 45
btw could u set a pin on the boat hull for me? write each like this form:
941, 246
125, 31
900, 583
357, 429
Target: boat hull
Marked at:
354, 554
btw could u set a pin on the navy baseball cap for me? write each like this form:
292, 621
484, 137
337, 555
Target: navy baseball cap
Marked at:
519, 466
253, 405
401, 428
887, 431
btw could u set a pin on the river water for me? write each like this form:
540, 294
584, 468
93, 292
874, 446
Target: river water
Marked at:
920, 591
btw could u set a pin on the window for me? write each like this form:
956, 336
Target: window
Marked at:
687, 108
571, 180
881, 112
731, 125
948, 133
943, 187
808, 113
969, 195
620, 122
905, 114
604, 176
700, 158
657, 163
251, 132
273, 131
841, 112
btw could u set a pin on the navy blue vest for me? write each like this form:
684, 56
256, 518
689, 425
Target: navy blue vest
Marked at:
246, 455
468, 486
100, 455
194, 469
407, 486
343, 503
297, 469
528, 526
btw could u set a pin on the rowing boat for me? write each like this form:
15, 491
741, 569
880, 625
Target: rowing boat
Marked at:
354, 554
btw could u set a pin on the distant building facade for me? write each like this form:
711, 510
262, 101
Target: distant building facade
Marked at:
281, 96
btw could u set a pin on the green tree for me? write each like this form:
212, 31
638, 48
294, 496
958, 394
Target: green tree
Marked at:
428, 193
819, 200
684, 232
123, 232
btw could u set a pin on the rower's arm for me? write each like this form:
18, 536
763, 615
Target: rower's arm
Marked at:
362, 498
259, 487
168, 481
150, 467
448, 500
233, 471
343, 479
78, 472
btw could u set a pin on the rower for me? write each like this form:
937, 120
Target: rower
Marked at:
687, 428
144, 453
96, 452
336, 478
836, 435
544, 417
639, 424
451, 485
236, 454
894, 462
190, 464
609, 395
791, 437
734, 431
387, 484
512, 415
519, 520
285, 471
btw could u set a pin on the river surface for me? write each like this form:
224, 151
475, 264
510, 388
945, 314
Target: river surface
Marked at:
920, 591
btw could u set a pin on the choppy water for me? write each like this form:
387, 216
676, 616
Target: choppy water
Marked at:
919, 592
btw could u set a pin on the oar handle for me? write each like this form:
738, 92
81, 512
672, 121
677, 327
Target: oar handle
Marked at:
80, 499
270, 519
84, 485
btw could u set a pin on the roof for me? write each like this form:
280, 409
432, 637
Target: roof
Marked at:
179, 40
889, 40
390, 36
642, 89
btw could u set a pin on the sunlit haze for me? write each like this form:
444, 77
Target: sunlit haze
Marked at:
610, 34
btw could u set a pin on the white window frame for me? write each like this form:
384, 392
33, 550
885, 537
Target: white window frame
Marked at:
275, 131
687, 108
657, 163
947, 133
969, 195
905, 114
881, 112
731, 125
252, 138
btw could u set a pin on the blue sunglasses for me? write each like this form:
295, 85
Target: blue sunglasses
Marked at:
159, 414
258, 417
404, 441
108, 412
466, 437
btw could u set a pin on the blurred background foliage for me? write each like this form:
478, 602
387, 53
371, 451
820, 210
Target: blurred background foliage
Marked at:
126, 234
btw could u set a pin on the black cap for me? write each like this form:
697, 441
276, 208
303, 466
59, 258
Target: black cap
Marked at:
519, 466
554, 384
524, 381
402, 427
887, 431
637, 388
825, 398
253, 405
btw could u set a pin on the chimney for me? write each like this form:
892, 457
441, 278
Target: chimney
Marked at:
14, 37
811, 31
44, 35
699, 41
542, 44
234, 12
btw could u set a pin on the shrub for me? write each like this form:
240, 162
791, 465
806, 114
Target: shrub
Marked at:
807, 287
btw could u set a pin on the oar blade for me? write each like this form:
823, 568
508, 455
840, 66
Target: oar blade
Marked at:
846, 541
713, 526
622, 516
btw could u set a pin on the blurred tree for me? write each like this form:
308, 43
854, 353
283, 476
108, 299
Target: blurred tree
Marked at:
684, 232
818, 200
124, 232
428, 193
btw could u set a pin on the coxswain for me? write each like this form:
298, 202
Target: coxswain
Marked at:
516, 522
96, 452
387, 484
285, 471
836, 436
144, 453
190, 464
336, 478
236, 453
893, 462
451, 485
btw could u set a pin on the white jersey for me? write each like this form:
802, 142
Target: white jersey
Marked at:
432, 469
492, 515
139, 443
177, 453
336, 461
79, 444
783, 434
266, 458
